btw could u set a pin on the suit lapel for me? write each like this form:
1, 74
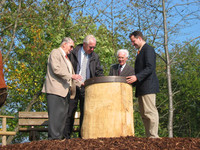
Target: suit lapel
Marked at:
67, 62
71, 70
115, 70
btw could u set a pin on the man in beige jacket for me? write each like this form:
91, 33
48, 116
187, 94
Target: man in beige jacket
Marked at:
60, 86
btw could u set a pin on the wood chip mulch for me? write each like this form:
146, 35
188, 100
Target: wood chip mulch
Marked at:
121, 143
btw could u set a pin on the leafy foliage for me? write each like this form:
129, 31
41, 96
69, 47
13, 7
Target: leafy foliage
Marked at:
187, 100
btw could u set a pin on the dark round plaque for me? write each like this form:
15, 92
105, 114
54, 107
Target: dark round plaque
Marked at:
105, 79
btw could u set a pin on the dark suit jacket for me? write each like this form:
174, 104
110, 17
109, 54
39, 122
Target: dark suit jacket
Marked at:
145, 70
94, 62
127, 71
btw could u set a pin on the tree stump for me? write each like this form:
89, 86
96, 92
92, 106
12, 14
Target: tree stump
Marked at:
108, 108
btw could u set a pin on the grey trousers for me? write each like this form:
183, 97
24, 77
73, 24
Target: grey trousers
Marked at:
149, 113
57, 111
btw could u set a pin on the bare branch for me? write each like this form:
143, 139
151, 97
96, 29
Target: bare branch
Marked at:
185, 4
182, 19
6, 27
182, 48
161, 58
14, 30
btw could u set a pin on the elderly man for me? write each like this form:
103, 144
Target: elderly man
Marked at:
122, 69
147, 84
86, 63
60, 86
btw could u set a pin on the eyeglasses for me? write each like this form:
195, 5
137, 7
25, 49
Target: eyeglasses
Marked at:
92, 47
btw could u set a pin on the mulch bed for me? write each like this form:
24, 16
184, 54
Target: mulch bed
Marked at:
121, 143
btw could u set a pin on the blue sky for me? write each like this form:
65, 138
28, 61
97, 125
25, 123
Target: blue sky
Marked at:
186, 30
192, 26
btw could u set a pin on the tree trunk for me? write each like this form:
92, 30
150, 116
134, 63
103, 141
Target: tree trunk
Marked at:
168, 64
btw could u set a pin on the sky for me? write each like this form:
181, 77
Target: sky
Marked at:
186, 30
192, 26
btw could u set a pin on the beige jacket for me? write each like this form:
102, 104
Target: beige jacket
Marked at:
59, 75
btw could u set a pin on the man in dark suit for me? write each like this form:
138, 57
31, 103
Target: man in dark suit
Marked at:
147, 84
122, 69
60, 86
91, 69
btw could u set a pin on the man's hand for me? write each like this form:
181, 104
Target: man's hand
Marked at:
131, 79
77, 77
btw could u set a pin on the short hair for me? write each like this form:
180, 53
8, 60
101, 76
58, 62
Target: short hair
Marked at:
137, 34
123, 50
66, 40
87, 38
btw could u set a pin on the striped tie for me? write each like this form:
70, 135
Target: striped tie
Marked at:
83, 67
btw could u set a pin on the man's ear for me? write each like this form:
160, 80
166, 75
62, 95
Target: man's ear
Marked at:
139, 38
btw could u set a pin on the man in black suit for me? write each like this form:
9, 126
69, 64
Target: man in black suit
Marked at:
122, 69
147, 84
91, 69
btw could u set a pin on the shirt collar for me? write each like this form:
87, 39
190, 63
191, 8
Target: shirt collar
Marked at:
82, 51
123, 66
141, 46
63, 51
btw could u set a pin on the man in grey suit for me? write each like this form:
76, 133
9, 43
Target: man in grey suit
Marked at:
147, 84
60, 86
122, 69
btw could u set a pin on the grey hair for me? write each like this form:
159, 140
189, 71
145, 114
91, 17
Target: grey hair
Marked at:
123, 50
87, 39
66, 40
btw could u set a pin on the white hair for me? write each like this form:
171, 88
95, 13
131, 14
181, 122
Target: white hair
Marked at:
124, 51
66, 40
87, 39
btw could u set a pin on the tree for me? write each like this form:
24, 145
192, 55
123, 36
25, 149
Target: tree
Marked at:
168, 65
147, 17
187, 99
40, 29
169, 80
36, 35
